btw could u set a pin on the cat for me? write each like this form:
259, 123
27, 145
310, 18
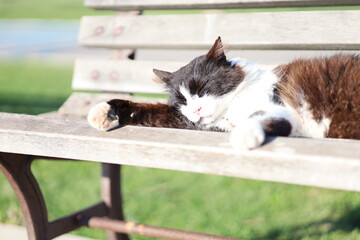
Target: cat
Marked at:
316, 98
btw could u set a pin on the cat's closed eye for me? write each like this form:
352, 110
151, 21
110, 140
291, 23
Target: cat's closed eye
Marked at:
197, 88
181, 99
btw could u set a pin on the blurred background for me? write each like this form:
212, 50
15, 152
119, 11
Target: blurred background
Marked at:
38, 47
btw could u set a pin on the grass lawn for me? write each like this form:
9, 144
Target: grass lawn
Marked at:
212, 204
74, 9
50, 9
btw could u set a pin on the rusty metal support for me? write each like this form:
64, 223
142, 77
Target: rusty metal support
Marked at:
16, 169
71, 222
111, 196
146, 230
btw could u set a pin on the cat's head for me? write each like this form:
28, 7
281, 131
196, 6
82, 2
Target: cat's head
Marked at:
201, 88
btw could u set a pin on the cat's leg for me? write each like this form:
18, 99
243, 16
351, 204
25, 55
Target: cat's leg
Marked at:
251, 132
107, 115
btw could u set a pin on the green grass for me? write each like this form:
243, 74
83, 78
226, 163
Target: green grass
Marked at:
213, 204
49, 9
74, 9
33, 87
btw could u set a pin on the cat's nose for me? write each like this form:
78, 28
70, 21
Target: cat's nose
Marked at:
197, 111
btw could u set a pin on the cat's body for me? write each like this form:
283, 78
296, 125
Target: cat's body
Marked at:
310, 98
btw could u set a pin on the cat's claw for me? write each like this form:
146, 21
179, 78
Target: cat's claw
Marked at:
99, 117
248, 136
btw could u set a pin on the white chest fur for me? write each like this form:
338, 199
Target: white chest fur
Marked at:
253, 94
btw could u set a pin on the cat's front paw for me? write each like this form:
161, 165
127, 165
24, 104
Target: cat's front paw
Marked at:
249, 135
100, 117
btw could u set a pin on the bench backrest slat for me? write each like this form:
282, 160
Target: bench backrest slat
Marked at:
330, 30
126, 5
119, 75
287, 30
110, 75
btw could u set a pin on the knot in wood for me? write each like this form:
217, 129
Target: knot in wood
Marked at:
99, 30
114, 75
95, 75
118, 30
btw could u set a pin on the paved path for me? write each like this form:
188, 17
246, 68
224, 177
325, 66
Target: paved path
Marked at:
12, 232
41, 39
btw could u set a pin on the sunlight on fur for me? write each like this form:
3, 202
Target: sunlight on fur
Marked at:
98, 117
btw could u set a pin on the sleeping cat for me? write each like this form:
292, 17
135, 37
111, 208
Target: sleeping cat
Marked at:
315, 98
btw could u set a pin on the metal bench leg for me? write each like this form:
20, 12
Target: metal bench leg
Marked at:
16, 169
111, 195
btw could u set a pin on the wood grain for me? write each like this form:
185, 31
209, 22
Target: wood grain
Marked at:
125, 5
323, 163
119, 75
309, 30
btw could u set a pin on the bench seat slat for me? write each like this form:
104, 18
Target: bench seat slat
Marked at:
126, 5
318, 30
323, 163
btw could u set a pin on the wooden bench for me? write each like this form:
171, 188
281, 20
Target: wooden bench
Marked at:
322, 163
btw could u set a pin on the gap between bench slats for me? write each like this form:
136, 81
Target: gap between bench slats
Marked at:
323, 163
125, 5
310, 30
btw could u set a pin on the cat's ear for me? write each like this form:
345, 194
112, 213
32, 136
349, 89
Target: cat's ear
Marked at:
217, 51
162, 76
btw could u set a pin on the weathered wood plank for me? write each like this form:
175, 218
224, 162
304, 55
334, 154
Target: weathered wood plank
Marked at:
312, 30
323, 163
119, 75
125, 5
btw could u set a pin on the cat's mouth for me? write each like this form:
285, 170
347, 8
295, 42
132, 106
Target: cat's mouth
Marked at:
200, 119
206, 119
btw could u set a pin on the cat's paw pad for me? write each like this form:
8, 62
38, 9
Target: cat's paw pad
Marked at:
100, 118
249, 135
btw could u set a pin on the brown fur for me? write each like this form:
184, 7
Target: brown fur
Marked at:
273, 126
216, 52
276, 127
331, 87
149, 115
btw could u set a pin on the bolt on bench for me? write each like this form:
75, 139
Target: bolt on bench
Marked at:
322, 163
